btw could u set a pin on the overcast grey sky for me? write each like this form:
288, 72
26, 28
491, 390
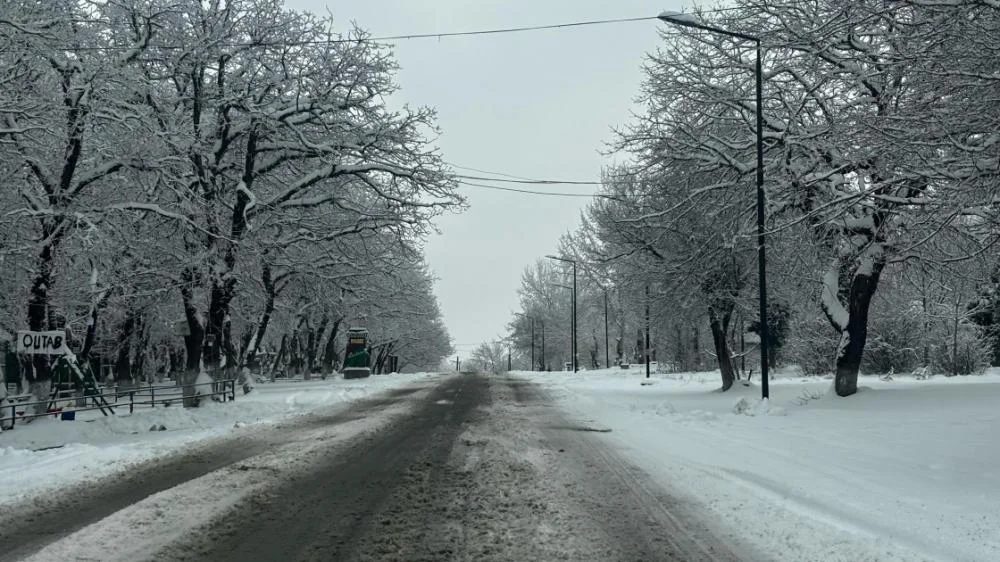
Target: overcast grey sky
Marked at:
539, 104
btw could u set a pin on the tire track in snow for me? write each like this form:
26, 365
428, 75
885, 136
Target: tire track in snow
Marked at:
30, 526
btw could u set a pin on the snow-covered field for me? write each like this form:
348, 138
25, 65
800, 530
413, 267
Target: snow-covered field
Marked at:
49, 453
904, 470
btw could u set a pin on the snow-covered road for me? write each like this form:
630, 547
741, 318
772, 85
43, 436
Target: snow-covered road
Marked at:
121, 515
905, 470
472, 468
592, 466
47, 455
484, 469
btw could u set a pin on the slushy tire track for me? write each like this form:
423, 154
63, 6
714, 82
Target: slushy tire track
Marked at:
69, 510
342, 509
483, 469
622, 497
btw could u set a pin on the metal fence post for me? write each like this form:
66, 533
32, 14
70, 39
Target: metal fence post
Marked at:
131, 401
152, 396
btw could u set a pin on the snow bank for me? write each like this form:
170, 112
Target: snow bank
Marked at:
904, 470
49, 453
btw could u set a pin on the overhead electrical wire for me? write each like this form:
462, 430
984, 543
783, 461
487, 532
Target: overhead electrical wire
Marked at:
388, 38
526, 191
529, 181
503, 177
501, 174
511, 29
512, 178
533, 192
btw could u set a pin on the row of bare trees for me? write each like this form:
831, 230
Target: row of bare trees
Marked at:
210, 171
882, 162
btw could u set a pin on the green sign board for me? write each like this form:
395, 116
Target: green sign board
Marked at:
357, 357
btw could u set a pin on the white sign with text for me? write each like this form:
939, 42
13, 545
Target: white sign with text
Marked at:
42, 343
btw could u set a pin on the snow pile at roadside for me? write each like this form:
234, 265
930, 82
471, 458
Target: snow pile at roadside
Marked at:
907, 469
48, 453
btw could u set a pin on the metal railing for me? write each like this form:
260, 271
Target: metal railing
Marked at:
144, 396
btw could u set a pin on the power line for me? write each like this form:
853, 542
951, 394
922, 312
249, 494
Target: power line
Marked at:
501, 174
530, 192
387, 38
530, 181
511, 29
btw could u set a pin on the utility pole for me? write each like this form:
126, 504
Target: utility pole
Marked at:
607, 353
533, 366
647, 331
576, 366
543, 346
532, 320
573, 321
689, 20
457, 363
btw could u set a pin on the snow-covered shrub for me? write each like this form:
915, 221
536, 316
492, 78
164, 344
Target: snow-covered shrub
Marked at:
812, 345
757, 407
895, 342
806, 397
965, 355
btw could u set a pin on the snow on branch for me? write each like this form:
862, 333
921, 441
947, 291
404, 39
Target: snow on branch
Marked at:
156, 209
251, 199
830, 303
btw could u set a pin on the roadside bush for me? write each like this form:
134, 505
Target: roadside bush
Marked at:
970, 355
812, 345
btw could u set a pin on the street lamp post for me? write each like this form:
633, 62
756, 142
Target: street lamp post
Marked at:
542, 322
607, 354
532, 320
647, 332
688, 20
572, 329
573, 322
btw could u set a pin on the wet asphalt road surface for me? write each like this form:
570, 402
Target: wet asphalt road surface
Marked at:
485, 469
471, 468
60, 514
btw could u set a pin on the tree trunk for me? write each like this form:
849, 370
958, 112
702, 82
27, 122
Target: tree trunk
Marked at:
678, 357
379, 357
228, 348
640, 346
593, 352
246, 338
954, 334
40, 374
265, 319
123, 364
695, 349
192, 343
855, 334
141, 347
295, 353
282, 351
91, 335
315, 336
306, 352
718, 327
215, 330
331, 358
374, 355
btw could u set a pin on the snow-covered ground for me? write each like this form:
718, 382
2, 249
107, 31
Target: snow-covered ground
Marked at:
905, 470
49, 453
